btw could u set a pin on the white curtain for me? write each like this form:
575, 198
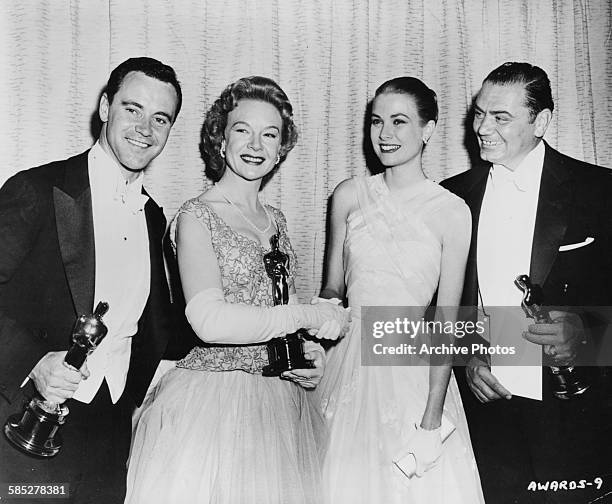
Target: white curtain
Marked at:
328, 55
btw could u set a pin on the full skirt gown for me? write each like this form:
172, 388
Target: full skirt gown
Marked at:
391, 258
215, 430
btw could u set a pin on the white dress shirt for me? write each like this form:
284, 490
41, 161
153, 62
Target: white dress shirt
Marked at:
505, 228
123, 270
505, 237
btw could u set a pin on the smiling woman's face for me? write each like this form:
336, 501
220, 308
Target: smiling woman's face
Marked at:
252, 139
396, 129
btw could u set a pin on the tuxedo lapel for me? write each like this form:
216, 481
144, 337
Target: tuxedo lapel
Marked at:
155, 230
154, 327
156, 225
74, 223
473, 195
551, 217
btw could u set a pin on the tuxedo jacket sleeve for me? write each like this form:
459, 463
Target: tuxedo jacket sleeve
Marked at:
21, 346
183, 338
470, 186
36, 307
47, 273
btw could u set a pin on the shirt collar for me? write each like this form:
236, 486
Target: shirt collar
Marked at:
526, 176
107, 180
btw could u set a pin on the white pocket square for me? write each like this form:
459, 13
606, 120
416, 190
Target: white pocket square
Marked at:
572, 246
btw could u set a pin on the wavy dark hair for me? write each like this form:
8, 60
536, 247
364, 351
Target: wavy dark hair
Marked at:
425, 99
150, 67
247, 88
538, 95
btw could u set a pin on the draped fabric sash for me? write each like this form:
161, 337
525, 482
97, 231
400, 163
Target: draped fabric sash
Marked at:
397, 226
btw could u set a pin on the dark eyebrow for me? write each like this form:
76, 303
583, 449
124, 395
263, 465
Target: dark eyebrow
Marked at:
140, 107
166, 115
133, 103
493, 112
392, 115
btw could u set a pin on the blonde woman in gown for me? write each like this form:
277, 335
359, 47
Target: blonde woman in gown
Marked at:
215, 430
396, 238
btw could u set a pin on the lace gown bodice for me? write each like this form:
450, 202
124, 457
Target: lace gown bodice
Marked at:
214, 429
244, 280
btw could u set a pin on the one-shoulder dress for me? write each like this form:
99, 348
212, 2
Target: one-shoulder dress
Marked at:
392, 257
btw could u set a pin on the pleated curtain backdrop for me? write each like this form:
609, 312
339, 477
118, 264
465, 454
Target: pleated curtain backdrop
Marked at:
328, 55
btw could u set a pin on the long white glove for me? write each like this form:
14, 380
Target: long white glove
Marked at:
216, 321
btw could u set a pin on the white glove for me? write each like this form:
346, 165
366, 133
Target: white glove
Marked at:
425, 447
216, 321
330, 329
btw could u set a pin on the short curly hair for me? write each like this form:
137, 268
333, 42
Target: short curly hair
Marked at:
247, 88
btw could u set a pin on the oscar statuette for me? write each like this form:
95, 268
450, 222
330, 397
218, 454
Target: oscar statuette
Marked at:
284, 353
36, 431
566, 380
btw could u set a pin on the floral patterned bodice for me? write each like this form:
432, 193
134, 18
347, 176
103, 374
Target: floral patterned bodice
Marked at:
244, 280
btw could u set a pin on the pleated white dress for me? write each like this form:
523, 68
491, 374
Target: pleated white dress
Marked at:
392, 258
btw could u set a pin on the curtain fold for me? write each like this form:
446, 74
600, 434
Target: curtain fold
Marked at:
328, 55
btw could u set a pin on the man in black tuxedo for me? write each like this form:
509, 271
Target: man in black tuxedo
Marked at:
76, 232
539, 212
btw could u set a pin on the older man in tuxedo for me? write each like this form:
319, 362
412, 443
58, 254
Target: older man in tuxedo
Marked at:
74, 233
539, 212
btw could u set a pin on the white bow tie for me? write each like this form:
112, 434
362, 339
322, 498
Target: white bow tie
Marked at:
502, 177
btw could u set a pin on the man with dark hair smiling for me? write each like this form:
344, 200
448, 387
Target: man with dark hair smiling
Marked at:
536, 211
74, 233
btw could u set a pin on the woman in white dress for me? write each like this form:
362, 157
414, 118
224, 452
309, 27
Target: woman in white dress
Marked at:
396, 239
215, 430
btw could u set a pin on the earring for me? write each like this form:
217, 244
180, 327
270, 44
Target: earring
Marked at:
222, 150
277, 158
425, 140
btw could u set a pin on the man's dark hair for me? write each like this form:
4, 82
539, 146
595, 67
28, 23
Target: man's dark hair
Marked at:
538, 95
148, 66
